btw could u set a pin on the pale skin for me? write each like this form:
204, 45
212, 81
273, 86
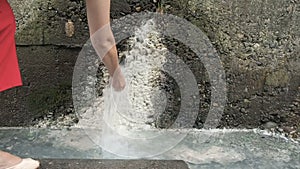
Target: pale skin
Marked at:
8, 160
98, 13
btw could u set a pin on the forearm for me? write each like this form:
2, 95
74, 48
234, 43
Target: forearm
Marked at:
98, 13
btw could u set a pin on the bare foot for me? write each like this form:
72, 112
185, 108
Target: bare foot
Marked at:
8, 160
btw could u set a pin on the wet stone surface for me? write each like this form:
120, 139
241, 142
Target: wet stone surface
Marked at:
200, 149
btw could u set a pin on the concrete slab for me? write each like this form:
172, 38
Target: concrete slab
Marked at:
200, 149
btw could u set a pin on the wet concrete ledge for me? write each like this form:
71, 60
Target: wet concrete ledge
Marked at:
211, 149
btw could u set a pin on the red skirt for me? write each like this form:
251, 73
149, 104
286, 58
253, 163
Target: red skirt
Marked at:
9, 67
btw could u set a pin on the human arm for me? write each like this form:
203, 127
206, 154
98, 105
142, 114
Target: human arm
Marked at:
98, 13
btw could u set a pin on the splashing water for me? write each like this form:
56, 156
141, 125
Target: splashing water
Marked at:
140, 103
142, 100
115, 120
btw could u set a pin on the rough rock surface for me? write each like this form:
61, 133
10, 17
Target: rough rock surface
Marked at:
257, 41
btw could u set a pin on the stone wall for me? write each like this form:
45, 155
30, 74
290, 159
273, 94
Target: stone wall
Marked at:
47, 55
257, 41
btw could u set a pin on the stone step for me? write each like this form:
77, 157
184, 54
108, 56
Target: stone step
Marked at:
111, 164
211, 149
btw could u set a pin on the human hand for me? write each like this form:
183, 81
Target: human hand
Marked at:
118, 80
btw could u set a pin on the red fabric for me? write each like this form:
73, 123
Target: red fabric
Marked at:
9, 68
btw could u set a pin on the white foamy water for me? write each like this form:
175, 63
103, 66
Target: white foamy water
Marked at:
123, 122
137, 106
142, 100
